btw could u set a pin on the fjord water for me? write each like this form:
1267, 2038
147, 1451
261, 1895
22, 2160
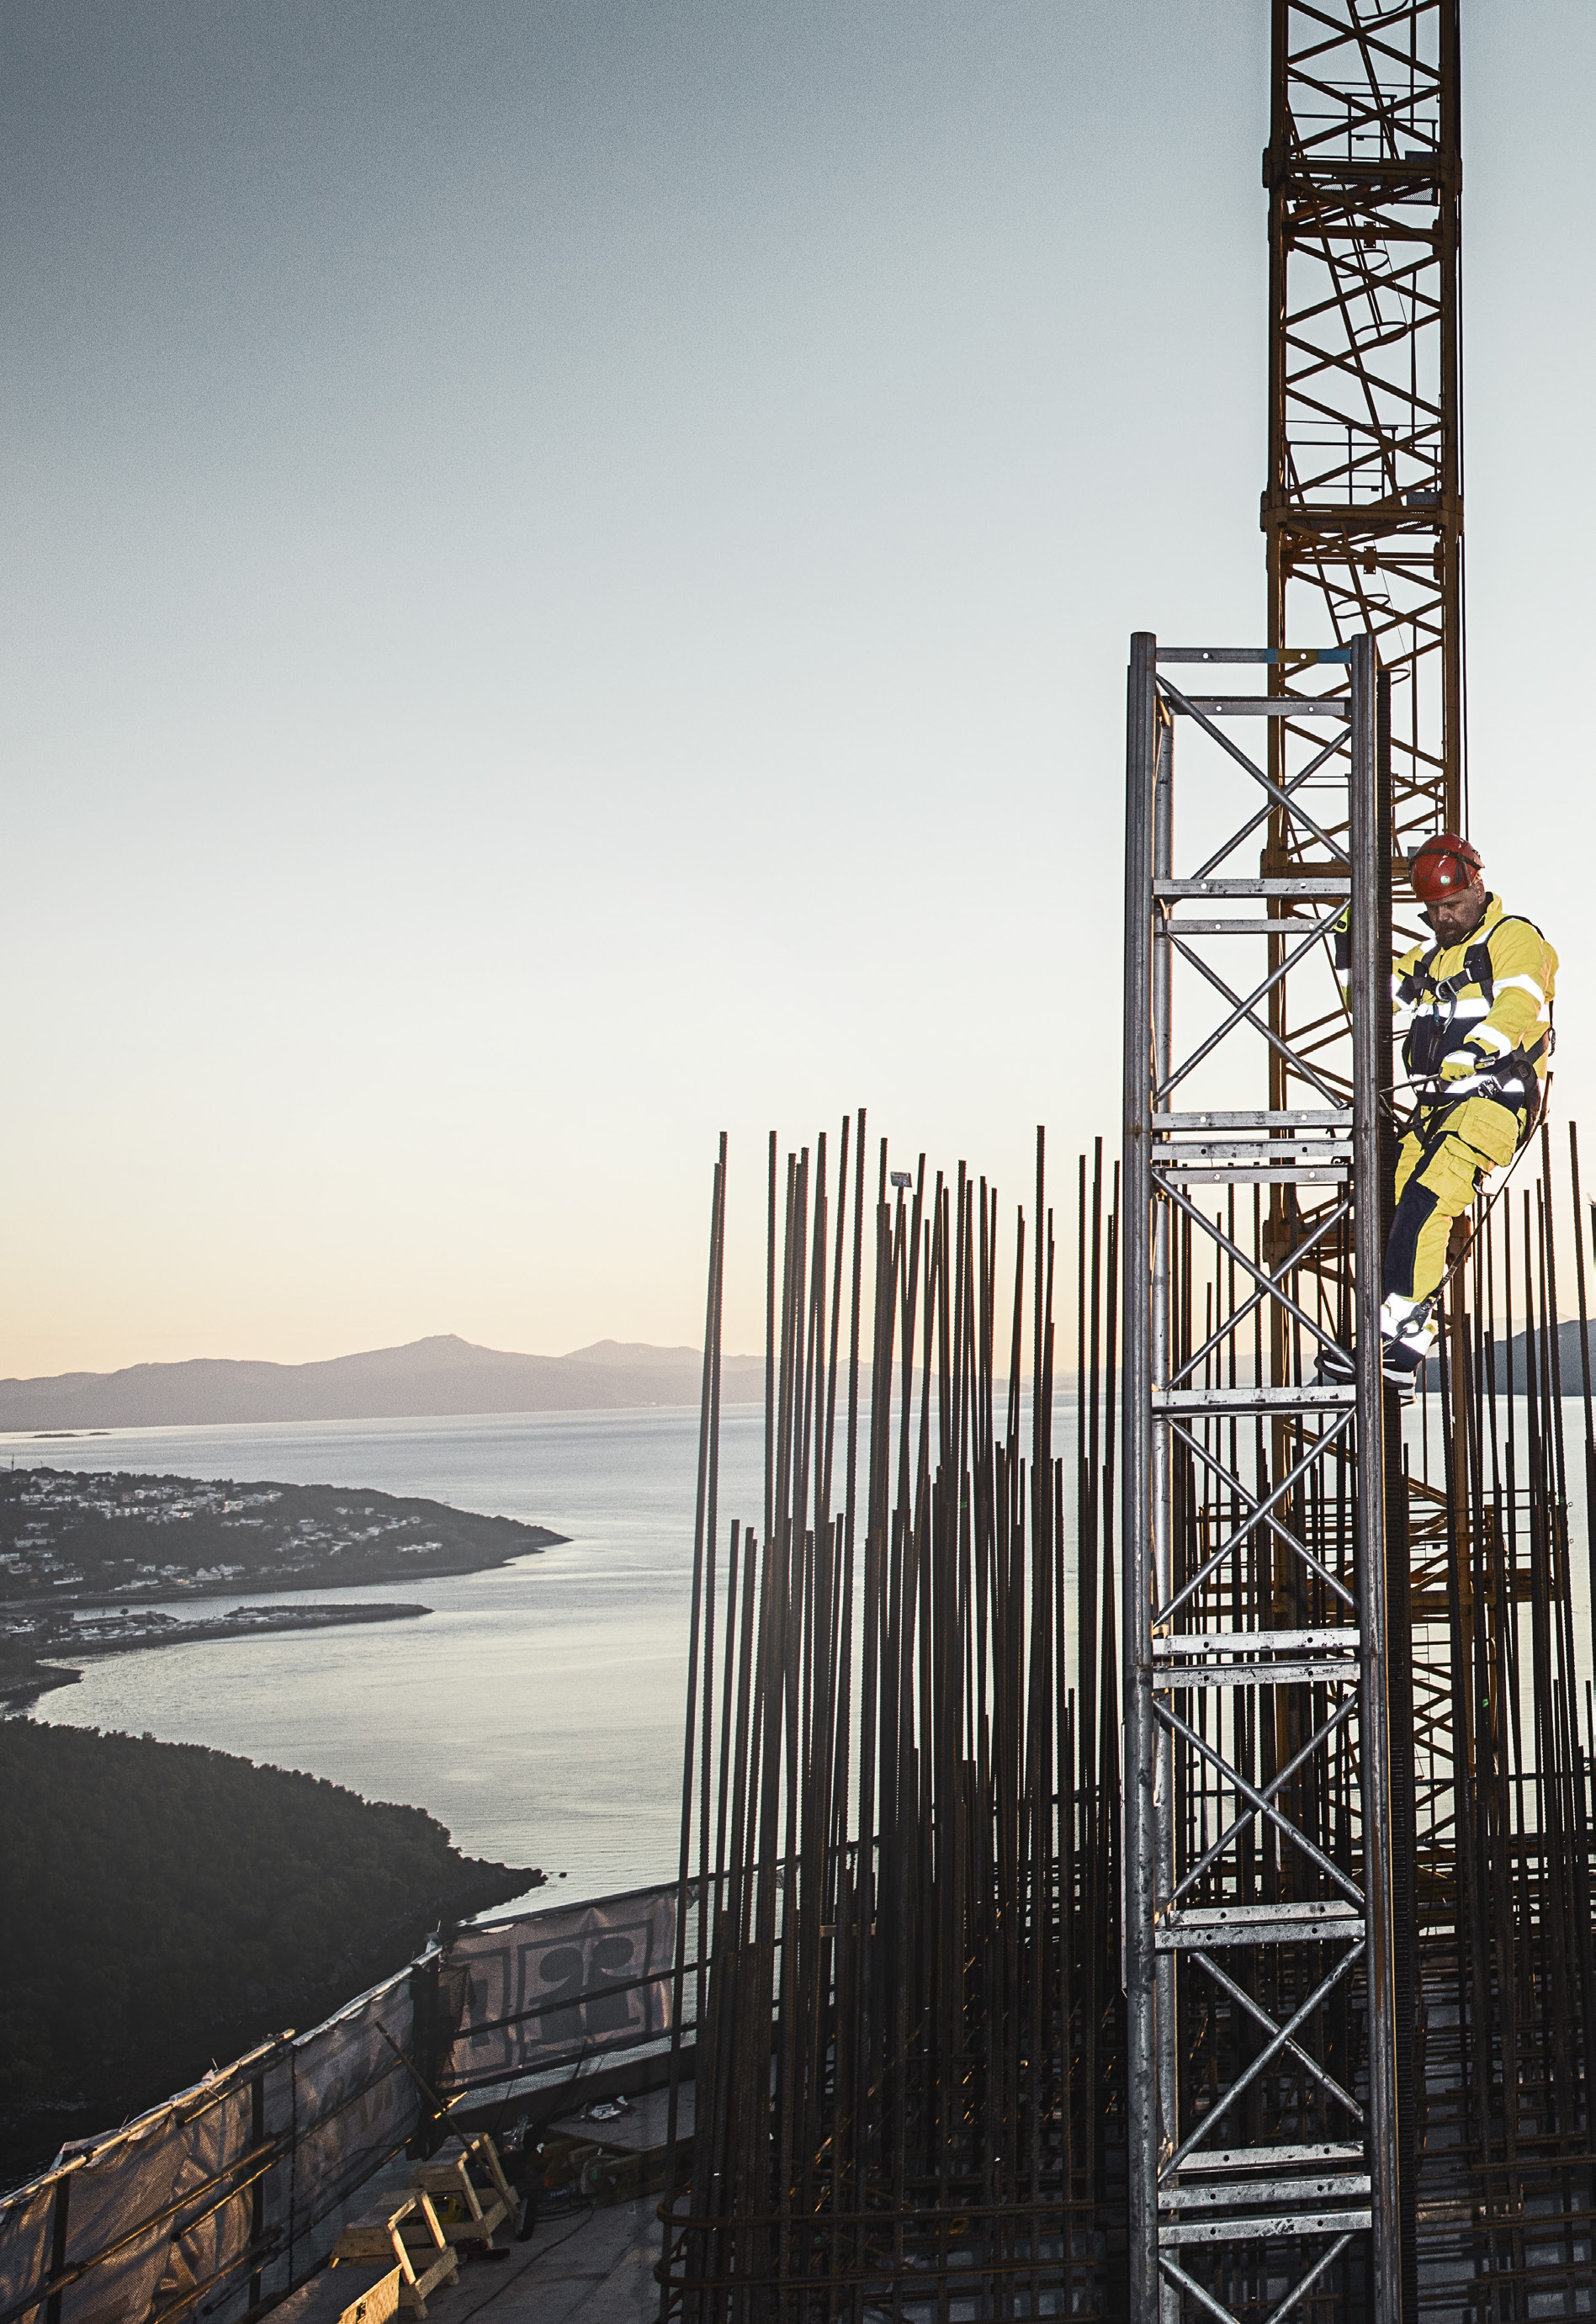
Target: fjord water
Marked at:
538, 1709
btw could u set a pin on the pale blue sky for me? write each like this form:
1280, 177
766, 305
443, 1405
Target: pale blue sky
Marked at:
566, 572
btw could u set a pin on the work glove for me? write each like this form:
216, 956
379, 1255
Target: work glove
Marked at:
1460, 1066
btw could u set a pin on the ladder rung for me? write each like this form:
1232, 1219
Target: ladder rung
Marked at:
1165, 889
1207, 1928
1291, 656
1253, 1399
1237, 1174
1319, 2151
1341, 1639
1263, 2226
1267, 705
1297, 927
1217, 2194
1270, 1118
1165, 1149
1174, 1678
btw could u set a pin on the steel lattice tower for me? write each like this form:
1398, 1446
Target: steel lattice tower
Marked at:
1363, 509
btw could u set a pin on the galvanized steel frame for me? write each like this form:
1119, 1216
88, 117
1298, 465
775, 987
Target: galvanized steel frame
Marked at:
1307, 2203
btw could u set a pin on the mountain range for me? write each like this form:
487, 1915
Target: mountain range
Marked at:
431, 1378
1568, 1360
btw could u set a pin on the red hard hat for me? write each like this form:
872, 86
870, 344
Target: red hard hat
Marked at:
1442, 867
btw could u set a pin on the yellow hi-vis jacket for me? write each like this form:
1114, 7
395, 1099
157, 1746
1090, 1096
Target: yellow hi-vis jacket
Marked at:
1480, 1021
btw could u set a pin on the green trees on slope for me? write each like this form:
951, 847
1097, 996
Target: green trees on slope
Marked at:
158, 1898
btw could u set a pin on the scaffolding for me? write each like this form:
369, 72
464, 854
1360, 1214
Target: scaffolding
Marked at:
1264, 2142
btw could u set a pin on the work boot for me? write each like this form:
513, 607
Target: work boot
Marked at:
1335, 1367
1401, 1372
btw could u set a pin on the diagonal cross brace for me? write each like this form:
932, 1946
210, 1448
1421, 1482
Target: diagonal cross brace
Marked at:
1258, 1512
1338, 1718
1206, 870
1269, 1284
1216, 1759
1172, 693
1272, 1284
1256, 2010
1299, 2291
1242, 1010
1271, 2049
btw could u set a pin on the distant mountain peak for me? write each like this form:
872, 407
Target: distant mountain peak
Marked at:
438, 1375
631, 1354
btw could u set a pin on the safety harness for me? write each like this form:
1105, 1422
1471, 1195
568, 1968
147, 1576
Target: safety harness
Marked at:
1510, 1079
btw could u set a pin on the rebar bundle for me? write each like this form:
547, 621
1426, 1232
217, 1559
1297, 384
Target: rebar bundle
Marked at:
901, 1805
899, 1938
1506, 2004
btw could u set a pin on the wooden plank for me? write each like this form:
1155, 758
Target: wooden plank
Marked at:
376, 2242
353, 2292
444, 2271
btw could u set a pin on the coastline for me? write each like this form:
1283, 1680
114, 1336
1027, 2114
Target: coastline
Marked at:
70, 1539
49, 1670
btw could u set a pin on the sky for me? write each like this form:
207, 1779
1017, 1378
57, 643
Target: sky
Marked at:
567, 571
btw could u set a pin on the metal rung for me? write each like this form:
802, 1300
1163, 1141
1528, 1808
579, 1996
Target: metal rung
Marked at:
1207, 1928
1320, 886
1339, 1638
1293, 657
1165, 1125
1297, 927
1249, 1150
1239, 1174
1267, 2226
1172, 1679
1266, 706
1215, 2196
1253, 1399
1299, 1175
1271, 2158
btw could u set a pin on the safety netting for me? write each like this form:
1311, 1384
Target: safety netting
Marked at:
228, 2194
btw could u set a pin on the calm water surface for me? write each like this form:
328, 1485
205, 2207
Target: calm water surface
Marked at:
537, 1711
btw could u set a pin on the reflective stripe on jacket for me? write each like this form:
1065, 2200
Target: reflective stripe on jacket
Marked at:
1482, 1007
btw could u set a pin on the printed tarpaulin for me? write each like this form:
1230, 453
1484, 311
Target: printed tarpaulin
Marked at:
552, 1986
159, 2216
353, 2102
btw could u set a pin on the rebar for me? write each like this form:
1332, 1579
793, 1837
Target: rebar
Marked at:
901, 1786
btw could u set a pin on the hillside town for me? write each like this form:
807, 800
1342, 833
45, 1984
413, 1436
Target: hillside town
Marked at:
68, 1536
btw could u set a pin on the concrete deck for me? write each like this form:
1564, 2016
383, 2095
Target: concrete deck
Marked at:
580, 2267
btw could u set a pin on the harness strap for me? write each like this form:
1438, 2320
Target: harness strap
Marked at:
1478, 970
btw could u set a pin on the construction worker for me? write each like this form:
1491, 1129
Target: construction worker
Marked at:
1476, 1045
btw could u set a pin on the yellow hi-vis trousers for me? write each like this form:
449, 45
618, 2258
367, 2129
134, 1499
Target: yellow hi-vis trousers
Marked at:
1439, 1165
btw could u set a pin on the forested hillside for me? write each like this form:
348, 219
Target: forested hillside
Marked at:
161, 1905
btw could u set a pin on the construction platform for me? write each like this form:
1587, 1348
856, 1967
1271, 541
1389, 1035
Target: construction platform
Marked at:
587, 2264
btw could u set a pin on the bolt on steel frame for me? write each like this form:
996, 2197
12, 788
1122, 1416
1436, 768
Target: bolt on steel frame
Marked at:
1263, 2138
